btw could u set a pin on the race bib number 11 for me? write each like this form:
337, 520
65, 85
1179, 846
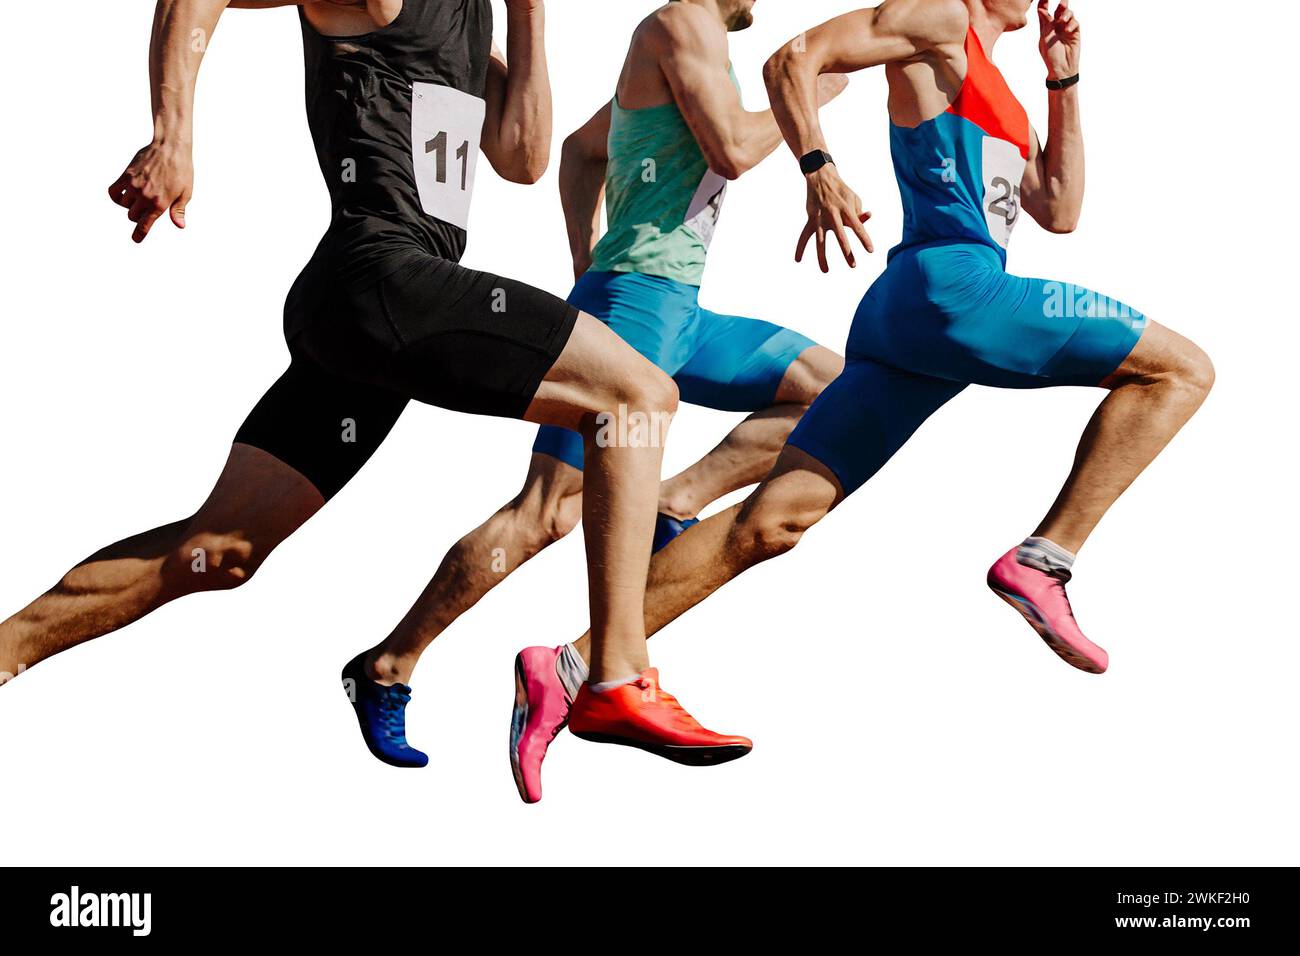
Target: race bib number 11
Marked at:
445, 128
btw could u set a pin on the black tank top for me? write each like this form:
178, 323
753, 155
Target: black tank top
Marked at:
396, 116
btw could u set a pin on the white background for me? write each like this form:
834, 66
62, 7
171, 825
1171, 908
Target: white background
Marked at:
900, 712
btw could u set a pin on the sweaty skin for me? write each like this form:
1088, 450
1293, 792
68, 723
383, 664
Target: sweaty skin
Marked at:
258, 500
679, 54
920, 43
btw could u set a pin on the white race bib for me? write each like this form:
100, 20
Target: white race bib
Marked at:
1004, 167
706, 206
446, 125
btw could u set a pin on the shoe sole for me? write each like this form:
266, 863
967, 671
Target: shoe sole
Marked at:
518, 721
689, 756
1064, 650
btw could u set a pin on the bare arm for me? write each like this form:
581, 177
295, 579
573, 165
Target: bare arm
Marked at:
894, 32
1052, 190
161, 176
517, 126
692, 52
583, 160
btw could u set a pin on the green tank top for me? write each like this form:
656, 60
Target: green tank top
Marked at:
662, 199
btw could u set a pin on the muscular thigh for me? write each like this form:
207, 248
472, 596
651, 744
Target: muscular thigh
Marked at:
320, 426
656, 317
953, 312
442, 334
596, 371
740, 364
306, 438
865, 416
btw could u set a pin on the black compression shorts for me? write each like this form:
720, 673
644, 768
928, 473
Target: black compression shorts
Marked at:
322, 426
431, 330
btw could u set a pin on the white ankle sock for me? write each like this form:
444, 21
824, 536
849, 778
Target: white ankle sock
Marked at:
605, 686
1046, 556
571, 669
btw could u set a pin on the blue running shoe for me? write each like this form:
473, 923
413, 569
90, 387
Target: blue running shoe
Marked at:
667, 528
381, 712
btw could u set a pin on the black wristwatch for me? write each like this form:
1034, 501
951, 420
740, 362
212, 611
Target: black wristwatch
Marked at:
814, 161
1064, 84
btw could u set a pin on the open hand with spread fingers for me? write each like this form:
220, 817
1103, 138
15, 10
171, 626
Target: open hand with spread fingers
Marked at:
836, 209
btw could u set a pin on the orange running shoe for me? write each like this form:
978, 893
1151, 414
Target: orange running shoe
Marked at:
642, 714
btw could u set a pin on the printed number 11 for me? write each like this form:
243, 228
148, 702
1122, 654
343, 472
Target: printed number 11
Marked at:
439, 145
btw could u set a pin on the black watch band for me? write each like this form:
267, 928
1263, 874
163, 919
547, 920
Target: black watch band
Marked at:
1064, 84
811, 162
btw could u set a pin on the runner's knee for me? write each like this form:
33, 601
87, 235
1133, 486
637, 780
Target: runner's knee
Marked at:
771, 524
1193, 370
545, 513
211, 561
651, 391
1165, 358
560, 518
551, 521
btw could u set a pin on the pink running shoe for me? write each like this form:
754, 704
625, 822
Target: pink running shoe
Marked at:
1041, 599
541, 711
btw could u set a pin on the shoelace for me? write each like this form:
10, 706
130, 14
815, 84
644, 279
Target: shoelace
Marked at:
392, 711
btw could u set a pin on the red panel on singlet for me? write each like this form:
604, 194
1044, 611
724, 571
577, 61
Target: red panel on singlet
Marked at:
987, 101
